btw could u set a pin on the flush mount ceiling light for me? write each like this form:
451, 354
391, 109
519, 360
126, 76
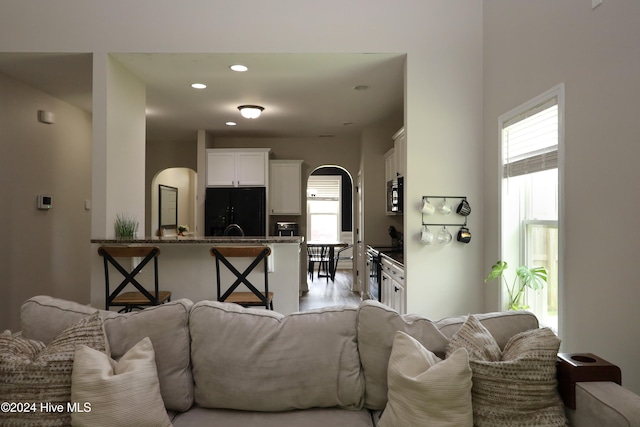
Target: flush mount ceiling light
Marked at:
251, 111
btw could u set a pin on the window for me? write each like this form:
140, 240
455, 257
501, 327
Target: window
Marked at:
323, 208
531, 140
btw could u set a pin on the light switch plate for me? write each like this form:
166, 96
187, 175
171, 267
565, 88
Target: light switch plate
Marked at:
595, 3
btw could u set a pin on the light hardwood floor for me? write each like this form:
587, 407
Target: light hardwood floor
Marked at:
323, 293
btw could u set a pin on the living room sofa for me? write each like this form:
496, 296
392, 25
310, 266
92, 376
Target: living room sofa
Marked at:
224, 365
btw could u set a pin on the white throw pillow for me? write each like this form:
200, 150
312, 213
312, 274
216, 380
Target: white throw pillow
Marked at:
123, 393
425, 390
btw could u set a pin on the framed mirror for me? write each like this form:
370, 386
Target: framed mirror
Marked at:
168, 209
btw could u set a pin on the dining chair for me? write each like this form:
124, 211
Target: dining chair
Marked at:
254, 297
132, 299
318, 254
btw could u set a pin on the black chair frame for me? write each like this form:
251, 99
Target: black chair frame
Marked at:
241, 277
129, 277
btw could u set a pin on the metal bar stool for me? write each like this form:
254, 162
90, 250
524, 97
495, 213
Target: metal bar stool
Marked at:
246, 299
134, 299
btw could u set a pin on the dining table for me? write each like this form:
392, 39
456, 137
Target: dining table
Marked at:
331, 246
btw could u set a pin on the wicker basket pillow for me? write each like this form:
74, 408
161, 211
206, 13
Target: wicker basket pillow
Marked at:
32, 374
519, 389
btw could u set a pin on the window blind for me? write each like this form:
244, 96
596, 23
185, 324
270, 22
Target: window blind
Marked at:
324, 187
531, 140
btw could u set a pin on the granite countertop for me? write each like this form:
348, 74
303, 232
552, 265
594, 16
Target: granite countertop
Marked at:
204, 239
395, 256
393, 253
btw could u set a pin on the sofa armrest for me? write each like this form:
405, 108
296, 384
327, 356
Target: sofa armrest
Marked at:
604, 404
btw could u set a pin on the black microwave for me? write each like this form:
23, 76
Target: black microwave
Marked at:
395, 196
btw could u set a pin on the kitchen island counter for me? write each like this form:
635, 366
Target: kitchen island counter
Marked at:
230, 240
187, 269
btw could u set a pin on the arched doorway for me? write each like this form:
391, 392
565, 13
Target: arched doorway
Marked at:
185, 181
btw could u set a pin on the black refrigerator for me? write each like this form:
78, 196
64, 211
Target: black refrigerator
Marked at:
244, 207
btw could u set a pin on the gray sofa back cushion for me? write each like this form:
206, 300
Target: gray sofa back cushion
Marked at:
167, 326
377, 325
259, 360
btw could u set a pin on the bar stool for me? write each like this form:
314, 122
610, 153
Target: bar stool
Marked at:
134, 299
222, 254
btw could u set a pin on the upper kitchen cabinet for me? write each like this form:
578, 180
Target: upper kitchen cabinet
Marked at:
400, 152
285, 187
237, 167
390, 168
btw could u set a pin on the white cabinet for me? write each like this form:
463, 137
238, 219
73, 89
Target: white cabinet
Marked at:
389, 166
285, 187
400, 152
392, 286
237, 168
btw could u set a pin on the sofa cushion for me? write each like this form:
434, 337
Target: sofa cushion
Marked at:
32, 374
377, 325
520, 388
425, 391
117, 391
198, 417
259, 360
167, 326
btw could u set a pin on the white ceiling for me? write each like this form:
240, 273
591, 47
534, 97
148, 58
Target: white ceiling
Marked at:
304, 95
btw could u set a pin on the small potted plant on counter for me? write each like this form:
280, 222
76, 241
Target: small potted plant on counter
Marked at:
126, 226
183, 229
533, 278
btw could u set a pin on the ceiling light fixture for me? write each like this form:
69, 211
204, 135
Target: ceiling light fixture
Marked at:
239, 68
231, 123
362, 87
198, 85
250, 111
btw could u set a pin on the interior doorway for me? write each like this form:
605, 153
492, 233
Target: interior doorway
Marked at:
185, 181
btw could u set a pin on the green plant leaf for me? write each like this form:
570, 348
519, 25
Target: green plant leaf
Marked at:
534, 277
496, 270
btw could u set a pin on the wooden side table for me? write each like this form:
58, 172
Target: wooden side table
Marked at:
583, 367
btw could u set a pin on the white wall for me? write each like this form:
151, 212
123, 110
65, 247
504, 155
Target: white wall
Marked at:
42, 252
443, 43
529, 48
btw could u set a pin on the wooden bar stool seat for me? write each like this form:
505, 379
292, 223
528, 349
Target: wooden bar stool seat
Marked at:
254, 297
132, 299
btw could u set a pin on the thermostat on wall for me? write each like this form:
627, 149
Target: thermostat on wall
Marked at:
45, 201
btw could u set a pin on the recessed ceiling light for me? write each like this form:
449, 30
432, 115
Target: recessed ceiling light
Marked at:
239, 68
347, 123
231, 123
326, 135
198, 85
362, 87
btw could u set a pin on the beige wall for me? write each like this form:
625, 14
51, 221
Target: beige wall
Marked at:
42, 252
530, 47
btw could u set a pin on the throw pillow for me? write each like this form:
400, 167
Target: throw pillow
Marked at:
521, 387
37, 378
123, 393
425, 391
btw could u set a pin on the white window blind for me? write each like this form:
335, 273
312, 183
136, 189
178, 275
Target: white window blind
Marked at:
324, 187
531, 140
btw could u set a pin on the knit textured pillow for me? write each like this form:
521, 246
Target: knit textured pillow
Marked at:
518, 389
36, 379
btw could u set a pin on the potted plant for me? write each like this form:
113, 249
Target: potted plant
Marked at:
533, 278
126, 226
183, 229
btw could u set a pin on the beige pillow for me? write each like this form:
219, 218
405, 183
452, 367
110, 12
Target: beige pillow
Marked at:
520, 388
123, 393
424, 390
32, 374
